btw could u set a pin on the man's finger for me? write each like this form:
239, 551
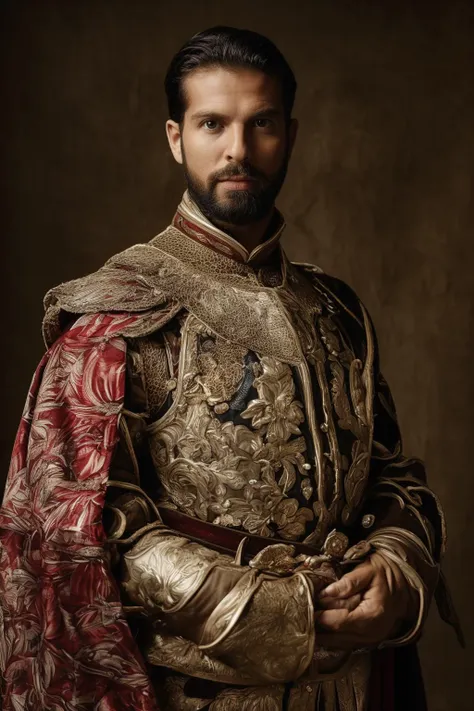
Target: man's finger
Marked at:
353, 622
351, 583
367, 616
331, 603
364, 624
331, 620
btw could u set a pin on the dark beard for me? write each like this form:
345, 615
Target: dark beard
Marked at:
242, 207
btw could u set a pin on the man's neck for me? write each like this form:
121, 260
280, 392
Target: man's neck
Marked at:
249, 236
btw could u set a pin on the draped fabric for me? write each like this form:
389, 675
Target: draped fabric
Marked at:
64, 640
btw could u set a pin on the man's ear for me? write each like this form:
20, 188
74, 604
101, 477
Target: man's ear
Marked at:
173, 133
292, 132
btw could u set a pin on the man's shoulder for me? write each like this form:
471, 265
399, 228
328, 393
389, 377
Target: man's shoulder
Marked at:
128, 283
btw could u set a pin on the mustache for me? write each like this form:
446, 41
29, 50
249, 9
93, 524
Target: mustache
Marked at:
236, 171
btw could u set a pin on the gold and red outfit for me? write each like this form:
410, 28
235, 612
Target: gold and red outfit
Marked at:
257, 458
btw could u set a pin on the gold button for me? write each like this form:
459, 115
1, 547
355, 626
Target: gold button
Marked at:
171, 384
336, 544
309, 689
368, 520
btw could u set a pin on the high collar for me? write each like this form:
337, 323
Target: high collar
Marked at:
190, 220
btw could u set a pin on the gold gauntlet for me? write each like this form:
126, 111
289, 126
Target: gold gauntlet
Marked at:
257, 620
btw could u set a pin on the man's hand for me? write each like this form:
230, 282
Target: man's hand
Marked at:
366, 606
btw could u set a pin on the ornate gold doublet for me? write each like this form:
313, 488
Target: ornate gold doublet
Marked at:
269, 429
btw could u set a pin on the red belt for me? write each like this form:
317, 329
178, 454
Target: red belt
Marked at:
223, 539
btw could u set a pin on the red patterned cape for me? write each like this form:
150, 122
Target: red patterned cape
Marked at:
64, 640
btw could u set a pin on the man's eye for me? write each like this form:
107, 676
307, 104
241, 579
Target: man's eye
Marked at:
211, 125
262, 122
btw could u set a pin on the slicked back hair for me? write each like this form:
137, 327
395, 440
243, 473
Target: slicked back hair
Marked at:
222, 46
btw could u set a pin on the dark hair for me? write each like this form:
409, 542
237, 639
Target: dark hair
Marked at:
227, 47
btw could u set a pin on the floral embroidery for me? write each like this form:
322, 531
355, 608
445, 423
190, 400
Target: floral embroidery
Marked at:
234, 474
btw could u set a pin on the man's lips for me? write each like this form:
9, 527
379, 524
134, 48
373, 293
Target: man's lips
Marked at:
238, 182
237, 179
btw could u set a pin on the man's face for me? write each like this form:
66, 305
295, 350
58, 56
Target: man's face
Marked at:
234, 143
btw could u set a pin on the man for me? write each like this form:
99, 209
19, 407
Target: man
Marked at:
208, 506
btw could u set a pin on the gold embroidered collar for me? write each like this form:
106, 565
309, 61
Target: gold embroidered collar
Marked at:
190, 220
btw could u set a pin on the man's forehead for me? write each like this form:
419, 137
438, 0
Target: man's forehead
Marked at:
213, 87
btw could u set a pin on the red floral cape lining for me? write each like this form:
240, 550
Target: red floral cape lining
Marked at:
64, 640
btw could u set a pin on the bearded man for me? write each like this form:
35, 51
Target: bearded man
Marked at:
208, 506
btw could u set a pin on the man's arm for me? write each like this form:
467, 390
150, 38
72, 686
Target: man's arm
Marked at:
253, 620
385, 599
398, 495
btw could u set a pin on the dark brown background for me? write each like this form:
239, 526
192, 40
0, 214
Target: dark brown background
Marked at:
379, 192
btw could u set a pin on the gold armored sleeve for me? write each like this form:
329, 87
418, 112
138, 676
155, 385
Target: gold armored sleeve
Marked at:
256, 619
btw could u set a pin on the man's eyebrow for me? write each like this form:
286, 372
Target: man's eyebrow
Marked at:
270, 111
267, 112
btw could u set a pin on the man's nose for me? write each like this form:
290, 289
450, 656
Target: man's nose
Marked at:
238, 145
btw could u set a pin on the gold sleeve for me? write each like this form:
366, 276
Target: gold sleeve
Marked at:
256, 619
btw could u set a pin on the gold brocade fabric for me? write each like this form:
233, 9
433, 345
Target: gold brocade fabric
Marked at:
257, 387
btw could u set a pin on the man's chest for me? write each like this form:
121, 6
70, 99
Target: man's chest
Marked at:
251, 441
